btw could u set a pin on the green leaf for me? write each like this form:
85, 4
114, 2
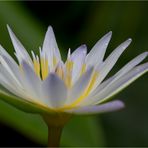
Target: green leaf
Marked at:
80, 131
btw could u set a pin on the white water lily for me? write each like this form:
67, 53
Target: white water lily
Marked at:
46, 84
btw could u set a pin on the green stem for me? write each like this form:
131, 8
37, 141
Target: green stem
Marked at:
55, 124
54, 135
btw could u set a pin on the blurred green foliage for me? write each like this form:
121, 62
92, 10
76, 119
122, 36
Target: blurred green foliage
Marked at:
76, 23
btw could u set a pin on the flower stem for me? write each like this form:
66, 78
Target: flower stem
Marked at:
54, 135
55, 124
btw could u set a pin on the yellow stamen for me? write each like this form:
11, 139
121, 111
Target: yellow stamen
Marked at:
59, 71
54, 61
69, 66
36, 67
44, 68
84, 95
83, 69
21, 68
68, 80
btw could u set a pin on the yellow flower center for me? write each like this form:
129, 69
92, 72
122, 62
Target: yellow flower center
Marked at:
41, 68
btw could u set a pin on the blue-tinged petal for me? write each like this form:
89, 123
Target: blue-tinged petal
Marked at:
121, 72
23, 104
108, 64
14, 68
21, 52
78, 58
120, 84
95, 109
32, 83
97, 53
132, 64
3, 52
79, 87
54, 90
8, 82
9, 70
50, 47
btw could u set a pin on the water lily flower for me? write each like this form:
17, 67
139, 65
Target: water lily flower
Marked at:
56, 89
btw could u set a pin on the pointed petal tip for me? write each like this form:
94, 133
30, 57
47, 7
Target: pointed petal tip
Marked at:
129, 39
113, 105
11, 33
50, 28
83, 45
126, 43
9, 29
119, 103
7, 25
80, 51
109, 34
106, 38
102, 108
146, 53
84, 48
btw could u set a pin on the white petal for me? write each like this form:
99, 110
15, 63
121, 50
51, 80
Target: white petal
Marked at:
10, 88
78, 89
14, 68
97, 53
19, 48
132, 64
69, 53
121, 72
107, 65
25, 105
7, 85
12, 76
5, 53
7, 81
32, 83
121, 83
50, 47
54, 90
10, 70
78, 58
94, 109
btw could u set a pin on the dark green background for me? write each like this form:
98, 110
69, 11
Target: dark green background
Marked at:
76, 23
